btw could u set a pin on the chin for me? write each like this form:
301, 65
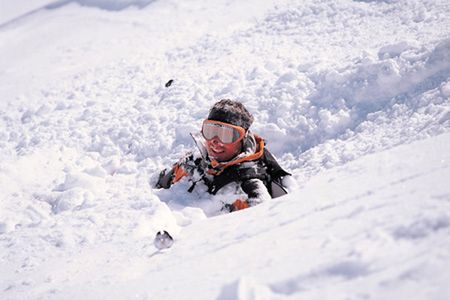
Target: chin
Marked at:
217, 156
222, 158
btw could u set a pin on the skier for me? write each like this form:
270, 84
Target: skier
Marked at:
230, 154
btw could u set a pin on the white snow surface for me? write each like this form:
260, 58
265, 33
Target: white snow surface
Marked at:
353, 97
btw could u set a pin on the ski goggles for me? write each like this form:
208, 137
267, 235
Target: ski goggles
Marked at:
226, 133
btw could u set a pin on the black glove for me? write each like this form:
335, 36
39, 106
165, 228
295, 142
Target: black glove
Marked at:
164, 180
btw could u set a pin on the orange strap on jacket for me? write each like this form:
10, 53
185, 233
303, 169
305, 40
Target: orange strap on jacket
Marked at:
178, 173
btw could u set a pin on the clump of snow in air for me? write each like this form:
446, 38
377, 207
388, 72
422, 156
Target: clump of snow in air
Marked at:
352, 97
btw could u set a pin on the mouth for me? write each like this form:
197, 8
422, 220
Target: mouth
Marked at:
216, 151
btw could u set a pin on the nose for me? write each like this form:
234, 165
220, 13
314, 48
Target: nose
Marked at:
215, 141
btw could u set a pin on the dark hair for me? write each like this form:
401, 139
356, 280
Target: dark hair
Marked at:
231, 112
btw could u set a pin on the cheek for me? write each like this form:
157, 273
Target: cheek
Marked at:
232, 149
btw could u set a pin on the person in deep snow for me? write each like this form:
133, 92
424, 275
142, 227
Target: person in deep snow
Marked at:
230, 153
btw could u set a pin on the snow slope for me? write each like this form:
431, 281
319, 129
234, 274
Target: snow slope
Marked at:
377, 227
352, 96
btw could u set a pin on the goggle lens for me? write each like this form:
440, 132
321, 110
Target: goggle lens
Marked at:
226, 134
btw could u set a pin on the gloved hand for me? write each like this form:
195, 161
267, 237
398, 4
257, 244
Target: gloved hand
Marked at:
238, 204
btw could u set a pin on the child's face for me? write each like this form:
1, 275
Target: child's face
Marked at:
222, 152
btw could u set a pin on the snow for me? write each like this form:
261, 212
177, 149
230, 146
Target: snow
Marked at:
353, 97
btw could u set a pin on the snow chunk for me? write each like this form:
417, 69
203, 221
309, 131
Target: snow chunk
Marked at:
27, 116
334, 123
78, 191
245, 288
286, 77
97, 171
422, 227
393, 50
6, 226
73, 199
188, 215
445, 89
80, 180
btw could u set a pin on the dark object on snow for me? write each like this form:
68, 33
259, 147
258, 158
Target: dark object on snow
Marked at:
169, 83
165, 179
163, 240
